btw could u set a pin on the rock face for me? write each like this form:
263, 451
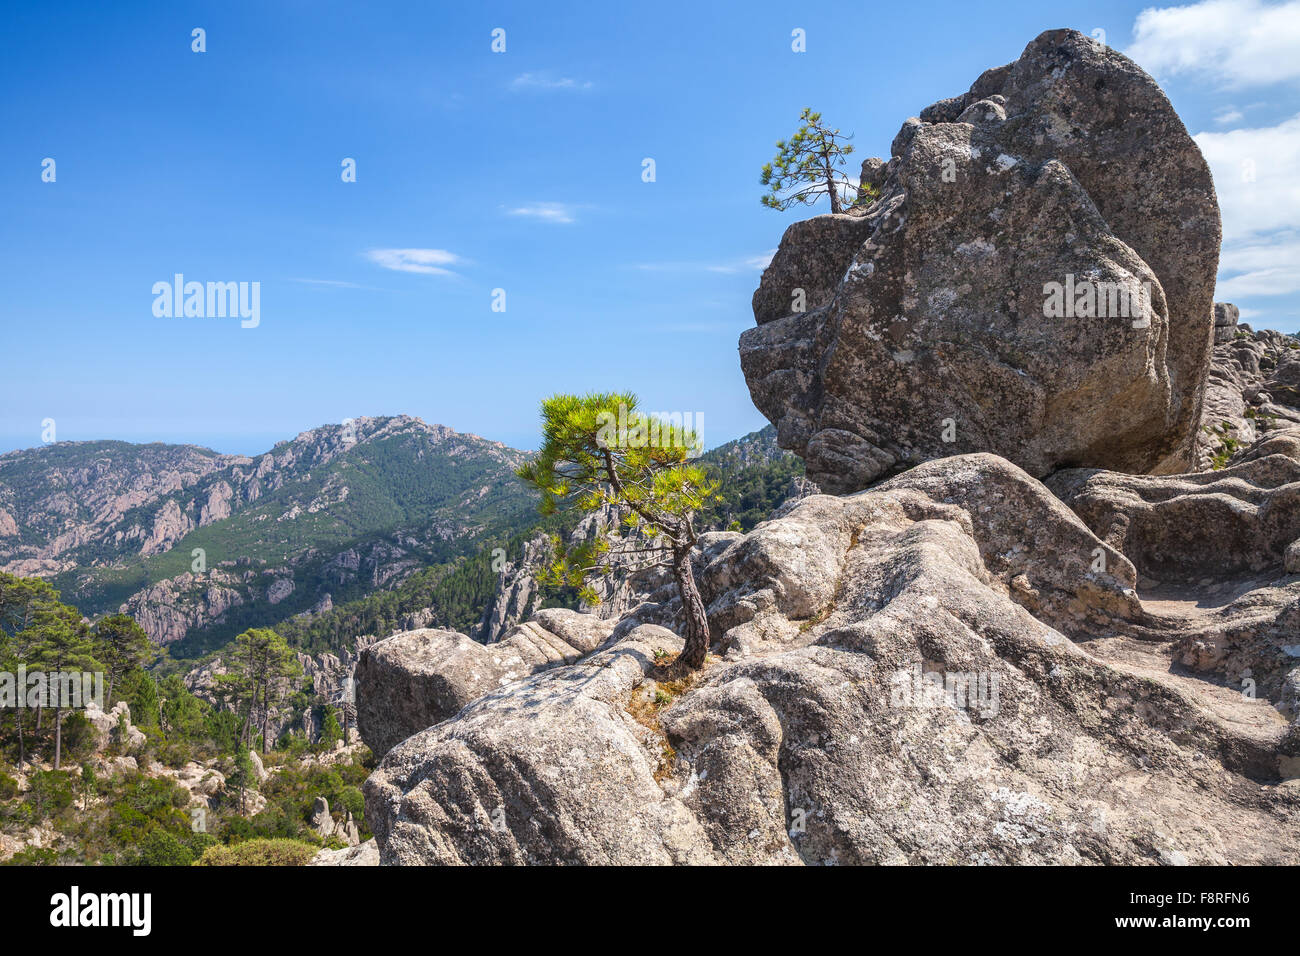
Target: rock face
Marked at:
1226, 316
413, 680
1253, 393
952, 667
517, 594
931, 325
363, 854
114, 727
959, 665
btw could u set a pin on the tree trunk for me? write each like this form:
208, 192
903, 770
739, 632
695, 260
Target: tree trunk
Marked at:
58, 734
830, 184
266, 717
22, 749
697, 621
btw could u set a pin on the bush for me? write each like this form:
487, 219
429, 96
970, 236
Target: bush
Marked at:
51, 791
79, 737
34, 856
8, 786
259, 853
160, 848
353, 801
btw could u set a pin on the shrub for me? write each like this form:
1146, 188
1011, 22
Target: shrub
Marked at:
160, 848
276, 852
79, 737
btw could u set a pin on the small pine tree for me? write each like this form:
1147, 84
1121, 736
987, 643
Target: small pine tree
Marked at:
598, 450
807, 167
241, 777
330, 730
122, 646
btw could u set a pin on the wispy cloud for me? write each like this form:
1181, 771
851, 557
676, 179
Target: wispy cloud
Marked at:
546, 81
423, 261
1228, 116
1271, 267
546, 211
731, 267
1234, 42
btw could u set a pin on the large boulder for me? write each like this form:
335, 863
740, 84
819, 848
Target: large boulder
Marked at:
930, 322
416, 679
1226, 317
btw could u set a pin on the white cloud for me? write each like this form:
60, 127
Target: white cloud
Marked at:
424, 261
1259, 200
545, 81
1227, 116
545, 211
1255, 176
1237, 42
1271, 267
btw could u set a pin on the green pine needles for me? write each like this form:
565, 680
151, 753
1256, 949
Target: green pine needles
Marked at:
601, 455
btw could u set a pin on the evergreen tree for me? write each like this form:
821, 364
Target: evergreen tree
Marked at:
122, 646
62, 643
242, 776
330, 730
21, 601
598, 450
807, 167
262, 666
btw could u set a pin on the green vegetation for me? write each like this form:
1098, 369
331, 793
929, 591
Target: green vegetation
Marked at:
259, 852
1228, 445
106, 811
598, 450
807, 167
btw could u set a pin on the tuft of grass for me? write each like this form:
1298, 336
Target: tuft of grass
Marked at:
672, 680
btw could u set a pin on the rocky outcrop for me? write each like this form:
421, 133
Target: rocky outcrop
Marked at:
321, 820
952, 667
517, 593
328, 674
114, 728
363, 854
1226, 316
414, 680
169, 609
936, 322
1252, 399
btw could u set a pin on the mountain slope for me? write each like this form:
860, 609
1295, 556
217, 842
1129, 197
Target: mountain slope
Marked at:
197, 544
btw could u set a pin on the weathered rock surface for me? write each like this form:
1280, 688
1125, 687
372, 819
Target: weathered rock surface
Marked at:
1073, 720
363, 854
1226, 316
114, 727
517, 593
926, 330
414, 680
1252, 399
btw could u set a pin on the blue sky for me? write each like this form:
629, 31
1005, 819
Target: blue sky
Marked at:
519, 171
